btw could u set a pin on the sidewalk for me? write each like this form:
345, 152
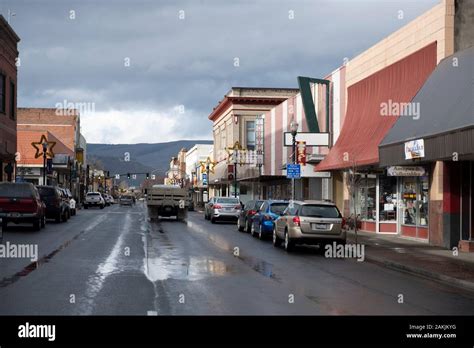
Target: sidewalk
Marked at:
418, 258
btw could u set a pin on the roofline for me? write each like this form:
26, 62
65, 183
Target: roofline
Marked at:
228, 100
9, 29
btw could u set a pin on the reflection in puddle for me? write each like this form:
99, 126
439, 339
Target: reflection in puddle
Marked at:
263, 267
165, 267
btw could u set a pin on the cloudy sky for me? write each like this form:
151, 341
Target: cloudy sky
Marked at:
152, 70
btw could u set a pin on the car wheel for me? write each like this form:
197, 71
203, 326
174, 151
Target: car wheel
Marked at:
86, 206
288, 242
239, 226
252, 230
276, 240
37, 224
58, 218
213, 220
260, 233
102, 206
248, 228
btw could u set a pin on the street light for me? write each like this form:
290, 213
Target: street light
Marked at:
294, 130
45, 150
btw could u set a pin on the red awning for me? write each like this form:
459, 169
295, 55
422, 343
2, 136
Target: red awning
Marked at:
365, 126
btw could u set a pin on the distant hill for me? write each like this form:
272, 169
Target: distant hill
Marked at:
144, 158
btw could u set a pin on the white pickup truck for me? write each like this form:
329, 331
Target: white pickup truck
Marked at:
167, 201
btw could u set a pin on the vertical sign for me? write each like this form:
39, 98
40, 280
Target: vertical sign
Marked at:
301, 152
259, 134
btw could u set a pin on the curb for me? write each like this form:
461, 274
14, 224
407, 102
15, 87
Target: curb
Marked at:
447, 280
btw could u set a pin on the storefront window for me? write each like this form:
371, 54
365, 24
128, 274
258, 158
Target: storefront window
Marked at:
415, 200
388, 198
366, 198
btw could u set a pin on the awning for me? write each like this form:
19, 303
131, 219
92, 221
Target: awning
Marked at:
365, 125
446, 122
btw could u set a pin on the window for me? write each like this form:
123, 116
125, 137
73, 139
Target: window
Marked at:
366, 198
2, 93
12, 100
278, 208
320, 211
415, 201
388, 198
250, 134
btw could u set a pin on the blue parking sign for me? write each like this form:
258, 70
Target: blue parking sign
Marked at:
293, 171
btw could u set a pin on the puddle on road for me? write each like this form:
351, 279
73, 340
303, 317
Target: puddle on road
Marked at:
164, 261
261, 266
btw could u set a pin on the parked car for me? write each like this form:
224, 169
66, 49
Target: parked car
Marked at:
244, 222
21, 203
264, 220
67, 202
72, 202
56, 207
126, 200
309, 222
94, 199
223, 208
109, 199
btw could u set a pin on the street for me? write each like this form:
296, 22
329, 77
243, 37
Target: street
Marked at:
116, 262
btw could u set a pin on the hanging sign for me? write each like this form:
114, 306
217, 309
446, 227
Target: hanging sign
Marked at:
414, 149
301, 152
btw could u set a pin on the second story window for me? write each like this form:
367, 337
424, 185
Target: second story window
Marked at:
2, 93
250, 134
12, 100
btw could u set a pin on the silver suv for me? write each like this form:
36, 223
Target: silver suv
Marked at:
222, 208
309, 222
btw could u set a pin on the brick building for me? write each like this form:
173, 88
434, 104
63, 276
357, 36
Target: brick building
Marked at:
8, 87
61, 127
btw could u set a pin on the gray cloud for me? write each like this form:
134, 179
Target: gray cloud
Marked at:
183, 62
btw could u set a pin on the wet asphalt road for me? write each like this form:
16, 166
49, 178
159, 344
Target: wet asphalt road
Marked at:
115, 262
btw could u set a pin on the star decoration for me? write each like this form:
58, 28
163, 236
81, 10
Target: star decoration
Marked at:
208, 162
39, 147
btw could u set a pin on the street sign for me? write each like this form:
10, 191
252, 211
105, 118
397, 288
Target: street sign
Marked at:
301, 152
311, 139
293, 171
204, 179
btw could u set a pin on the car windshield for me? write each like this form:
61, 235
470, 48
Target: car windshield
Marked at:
15, 190
228, 201
322, 211
258, 204
278, 208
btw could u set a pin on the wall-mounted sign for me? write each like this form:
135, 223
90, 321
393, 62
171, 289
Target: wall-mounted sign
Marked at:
414, 149
293, 171
311, 139
406, 171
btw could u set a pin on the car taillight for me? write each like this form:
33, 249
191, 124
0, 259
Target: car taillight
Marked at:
238, 207
296, 220
217, 206
252, 212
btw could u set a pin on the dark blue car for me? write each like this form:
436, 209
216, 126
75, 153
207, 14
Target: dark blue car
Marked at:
263, 220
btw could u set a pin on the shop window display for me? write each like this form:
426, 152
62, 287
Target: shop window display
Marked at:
366, 198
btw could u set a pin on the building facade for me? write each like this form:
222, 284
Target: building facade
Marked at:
234, 122
8, 100
196, 159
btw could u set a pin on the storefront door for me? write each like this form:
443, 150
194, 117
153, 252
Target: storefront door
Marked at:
413, 204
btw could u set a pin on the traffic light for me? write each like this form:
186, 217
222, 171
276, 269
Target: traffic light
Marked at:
230, 172
128, 175
147, 176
